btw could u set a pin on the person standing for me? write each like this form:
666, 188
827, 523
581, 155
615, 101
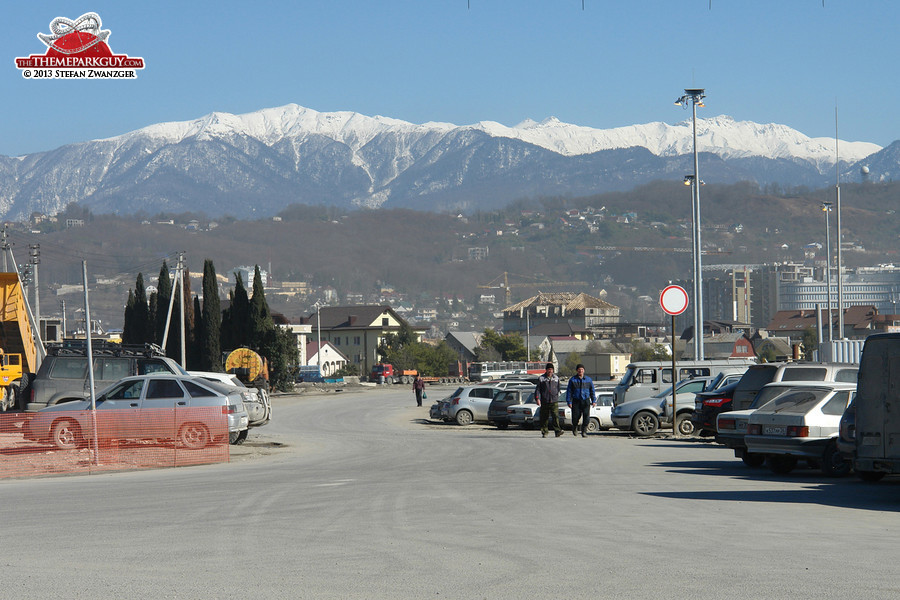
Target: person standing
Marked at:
580, 397
419, 389
546, 394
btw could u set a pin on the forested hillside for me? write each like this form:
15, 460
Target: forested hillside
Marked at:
425, 255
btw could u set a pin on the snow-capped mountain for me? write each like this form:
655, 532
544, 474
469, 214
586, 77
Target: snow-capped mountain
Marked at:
258, 163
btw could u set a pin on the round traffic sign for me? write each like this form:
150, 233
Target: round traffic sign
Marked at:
674, 300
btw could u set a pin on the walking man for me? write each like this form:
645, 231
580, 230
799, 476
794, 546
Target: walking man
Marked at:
546, 394
419, 389
580, 397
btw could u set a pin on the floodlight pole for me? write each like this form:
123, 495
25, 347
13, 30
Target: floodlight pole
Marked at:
695, 96
826, 208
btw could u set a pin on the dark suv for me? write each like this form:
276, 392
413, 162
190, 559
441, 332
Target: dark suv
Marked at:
63, 374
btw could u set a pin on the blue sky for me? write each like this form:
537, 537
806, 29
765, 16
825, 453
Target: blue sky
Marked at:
462, 61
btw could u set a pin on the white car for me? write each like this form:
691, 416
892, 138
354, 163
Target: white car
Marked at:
600, 415
525, 415
802, 423
731, 426
256, 400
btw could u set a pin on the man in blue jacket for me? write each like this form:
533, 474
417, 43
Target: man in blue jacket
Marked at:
580, 397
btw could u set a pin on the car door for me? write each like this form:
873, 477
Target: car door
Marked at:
118, 410
162, 398
480, 400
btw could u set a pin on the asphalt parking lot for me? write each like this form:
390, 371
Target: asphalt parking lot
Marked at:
356, 494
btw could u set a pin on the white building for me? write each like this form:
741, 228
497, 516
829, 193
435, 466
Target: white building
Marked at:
332, 358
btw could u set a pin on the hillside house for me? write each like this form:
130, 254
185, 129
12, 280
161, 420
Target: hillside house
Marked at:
358, 331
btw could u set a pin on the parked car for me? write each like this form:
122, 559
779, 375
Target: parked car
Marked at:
645, 416
525, 415
256, 400
497, 411
63, 374
846, 440
802, 423
139, 408
708, 406
600, 416
731, 426
505, 384
470, 403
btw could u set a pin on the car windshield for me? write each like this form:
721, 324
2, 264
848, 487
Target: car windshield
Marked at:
716, 381
798, 401
626, 378
767, 394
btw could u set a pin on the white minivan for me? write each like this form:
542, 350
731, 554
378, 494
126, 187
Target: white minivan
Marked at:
648, 378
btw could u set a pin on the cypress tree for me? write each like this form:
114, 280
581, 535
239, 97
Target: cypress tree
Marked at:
190, 320
260, 319
195, 361
128, 321
163, 294
211, 321
239, 315
141, 316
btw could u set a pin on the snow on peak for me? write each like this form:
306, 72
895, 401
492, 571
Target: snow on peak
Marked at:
721, 134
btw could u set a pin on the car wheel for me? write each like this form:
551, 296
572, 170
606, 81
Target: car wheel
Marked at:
238, 437
593, 426
753, 459
4, 399
683, 425
464, 417
833, 462
870, 475
781, 464
193, 436
645, 423
65, 434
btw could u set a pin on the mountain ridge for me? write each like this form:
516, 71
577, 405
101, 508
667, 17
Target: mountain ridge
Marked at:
255, 164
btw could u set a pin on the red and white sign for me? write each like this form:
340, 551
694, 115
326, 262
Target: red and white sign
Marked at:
78, 50
674, 300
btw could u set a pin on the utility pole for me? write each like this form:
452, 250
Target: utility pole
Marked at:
181, 303
35, 252
4, 245
62, 304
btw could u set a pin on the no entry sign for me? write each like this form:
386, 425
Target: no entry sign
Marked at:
674, 300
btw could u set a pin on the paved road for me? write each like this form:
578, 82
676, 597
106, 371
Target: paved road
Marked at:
364, 498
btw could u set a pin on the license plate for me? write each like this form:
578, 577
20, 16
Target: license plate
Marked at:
774, 430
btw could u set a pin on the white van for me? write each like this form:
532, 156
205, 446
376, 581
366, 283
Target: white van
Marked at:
648, 378
877, 408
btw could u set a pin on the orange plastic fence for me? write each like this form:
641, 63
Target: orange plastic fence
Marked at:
82, 441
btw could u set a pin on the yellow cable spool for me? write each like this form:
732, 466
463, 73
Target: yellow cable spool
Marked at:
245, 363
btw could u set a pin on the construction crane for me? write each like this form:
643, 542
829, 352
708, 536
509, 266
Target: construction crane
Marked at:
495, 284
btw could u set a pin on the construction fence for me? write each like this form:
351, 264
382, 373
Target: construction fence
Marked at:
85, 441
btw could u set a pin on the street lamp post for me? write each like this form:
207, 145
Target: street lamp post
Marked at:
318, 306
826, 208
695, 97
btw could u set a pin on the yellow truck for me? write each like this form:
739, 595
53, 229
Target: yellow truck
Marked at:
18, 351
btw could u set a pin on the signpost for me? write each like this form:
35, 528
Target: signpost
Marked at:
674, 301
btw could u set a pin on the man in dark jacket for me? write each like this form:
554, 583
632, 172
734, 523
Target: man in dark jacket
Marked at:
580, 397
546, 394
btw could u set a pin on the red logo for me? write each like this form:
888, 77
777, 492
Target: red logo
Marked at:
78, 50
